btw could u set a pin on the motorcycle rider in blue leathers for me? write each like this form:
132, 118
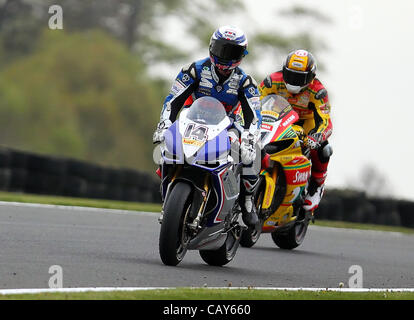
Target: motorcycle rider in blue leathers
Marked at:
220, 77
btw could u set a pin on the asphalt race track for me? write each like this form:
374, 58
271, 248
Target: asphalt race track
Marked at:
98, 248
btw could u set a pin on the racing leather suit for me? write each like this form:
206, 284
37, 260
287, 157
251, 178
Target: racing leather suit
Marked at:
313, 107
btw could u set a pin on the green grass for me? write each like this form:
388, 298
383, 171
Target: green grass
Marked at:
82, 202
362, 226
215, 294
149, 207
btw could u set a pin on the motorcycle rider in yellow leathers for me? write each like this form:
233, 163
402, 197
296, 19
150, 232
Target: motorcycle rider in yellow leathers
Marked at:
298, 84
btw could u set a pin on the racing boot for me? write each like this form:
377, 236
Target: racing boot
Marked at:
314, 196
248, 207
249, 212
320, 160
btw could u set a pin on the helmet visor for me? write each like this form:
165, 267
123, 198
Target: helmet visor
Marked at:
226, 50
296, 78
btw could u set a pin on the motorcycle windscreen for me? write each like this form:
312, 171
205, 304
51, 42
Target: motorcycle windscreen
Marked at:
205, 119
207, 110
275, 106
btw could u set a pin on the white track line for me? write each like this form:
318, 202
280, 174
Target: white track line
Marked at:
72, 208
108, 289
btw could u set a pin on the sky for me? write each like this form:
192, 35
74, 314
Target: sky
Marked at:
369, 79
368, 74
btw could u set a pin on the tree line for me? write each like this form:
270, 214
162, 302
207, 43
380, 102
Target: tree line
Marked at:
87, 91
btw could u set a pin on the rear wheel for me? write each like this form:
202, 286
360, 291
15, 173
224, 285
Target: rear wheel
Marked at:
174, 236
249, 237
293, 236
225, 253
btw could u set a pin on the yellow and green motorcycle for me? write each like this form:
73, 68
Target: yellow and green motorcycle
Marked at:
285, 171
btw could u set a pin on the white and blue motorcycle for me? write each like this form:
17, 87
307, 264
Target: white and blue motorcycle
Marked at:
200, 186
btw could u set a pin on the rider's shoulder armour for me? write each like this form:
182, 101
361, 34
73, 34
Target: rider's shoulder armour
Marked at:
318, 89
190, 69
277, 76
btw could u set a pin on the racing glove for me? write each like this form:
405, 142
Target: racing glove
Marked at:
313, 141
158, 136
247, 148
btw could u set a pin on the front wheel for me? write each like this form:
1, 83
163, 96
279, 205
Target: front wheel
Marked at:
292, 237
249, 237
174, 237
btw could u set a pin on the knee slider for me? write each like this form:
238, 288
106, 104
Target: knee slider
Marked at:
325, 152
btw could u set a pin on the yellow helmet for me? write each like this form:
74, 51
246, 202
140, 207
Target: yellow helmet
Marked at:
299, 70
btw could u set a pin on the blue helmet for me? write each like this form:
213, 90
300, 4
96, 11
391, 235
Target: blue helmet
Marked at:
228, 46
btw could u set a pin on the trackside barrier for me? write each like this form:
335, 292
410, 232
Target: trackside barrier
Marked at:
27, 172
355, 206
40, 174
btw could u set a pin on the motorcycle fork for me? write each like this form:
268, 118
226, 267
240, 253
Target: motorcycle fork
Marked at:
205, 194
274, 174
270, 187
176, 173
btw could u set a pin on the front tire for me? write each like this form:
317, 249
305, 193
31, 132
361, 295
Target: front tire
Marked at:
173, 237
249, 237
291, 238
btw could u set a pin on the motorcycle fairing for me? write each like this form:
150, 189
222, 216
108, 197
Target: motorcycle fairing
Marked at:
212, 145
213, 153
275, 129
296, 170
227, 187
172, 152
